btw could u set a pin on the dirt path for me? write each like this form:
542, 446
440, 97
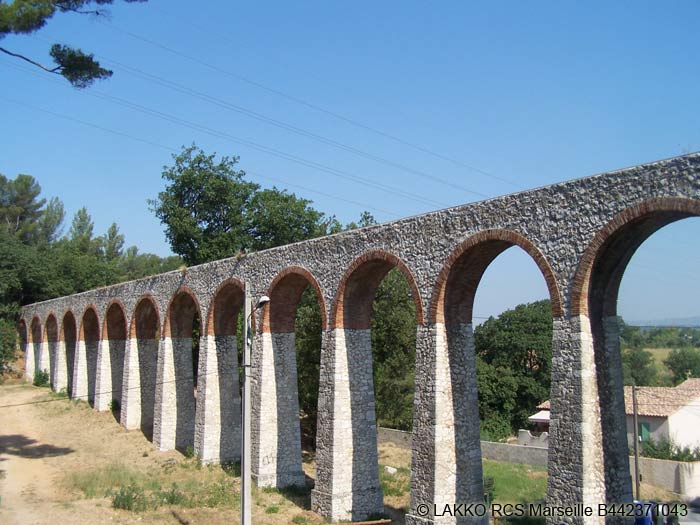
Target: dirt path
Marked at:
37, 448
27, 461
49, 444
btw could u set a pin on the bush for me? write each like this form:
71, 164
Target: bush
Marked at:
666, 449
131, 498
41, 378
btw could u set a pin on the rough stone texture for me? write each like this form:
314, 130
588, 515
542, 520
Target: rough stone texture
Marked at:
174, 419
350, 486
139, 390
581, 234
218, 425
279, 447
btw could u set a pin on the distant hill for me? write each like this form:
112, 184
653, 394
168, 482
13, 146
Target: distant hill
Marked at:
682, 322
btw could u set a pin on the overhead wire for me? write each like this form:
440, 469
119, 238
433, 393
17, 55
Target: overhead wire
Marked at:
251, 144
155, 144
308, 104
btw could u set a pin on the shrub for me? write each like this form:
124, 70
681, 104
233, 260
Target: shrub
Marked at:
131, 498
667, 449
41, 378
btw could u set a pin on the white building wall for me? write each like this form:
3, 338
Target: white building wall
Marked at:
684, 424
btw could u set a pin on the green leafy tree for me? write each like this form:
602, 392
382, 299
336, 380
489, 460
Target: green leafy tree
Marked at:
518, 347
276, 218
211, 212
204, 206
394, 351
683, 363
20, 206
113, 243
22, 17
638, 367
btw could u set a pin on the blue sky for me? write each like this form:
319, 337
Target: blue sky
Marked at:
495, 97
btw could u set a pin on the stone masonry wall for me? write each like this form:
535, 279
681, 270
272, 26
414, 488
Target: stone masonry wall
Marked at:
561, 224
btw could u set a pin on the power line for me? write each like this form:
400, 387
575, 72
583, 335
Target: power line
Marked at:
253, 145
286, 126
145, 141
310, 105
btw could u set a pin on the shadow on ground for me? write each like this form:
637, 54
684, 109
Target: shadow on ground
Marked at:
19, 445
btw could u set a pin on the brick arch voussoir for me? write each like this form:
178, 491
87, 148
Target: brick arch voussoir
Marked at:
62, 328
181, 290
121, 306
81, 328
436, 313
310, 279
132, 324
581, 282
231, 281
336, 320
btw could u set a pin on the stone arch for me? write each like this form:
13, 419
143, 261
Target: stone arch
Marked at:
175, 417
88, 347
447, 377
472, 257
347, 404
285, 292
352, 306
141, 367
51, 339
35, 341
619, 239
69, 337
111, 358
279, 460
218, 413
145, 319
594, 296
183, 307
227, 302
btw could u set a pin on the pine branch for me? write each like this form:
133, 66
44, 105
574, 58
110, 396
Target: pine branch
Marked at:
55, 70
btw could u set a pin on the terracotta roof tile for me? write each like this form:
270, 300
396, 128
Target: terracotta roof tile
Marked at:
658, 401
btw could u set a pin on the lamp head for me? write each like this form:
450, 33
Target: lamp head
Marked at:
262, 302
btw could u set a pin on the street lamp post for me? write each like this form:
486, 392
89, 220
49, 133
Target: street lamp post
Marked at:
248, 311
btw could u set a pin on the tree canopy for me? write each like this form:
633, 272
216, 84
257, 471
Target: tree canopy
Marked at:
37, 263
21, 17
210, 211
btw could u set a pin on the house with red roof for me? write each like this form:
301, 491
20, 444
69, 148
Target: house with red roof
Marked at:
671, 413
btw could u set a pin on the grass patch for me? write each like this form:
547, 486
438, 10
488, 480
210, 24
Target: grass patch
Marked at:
516, 483
396, 484
102, 482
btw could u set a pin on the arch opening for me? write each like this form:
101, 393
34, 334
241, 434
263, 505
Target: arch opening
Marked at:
180, 371
500, 369
35, 336
377, 298
595, 298
23, 341
69, 336
292, 325
90, 337
115, 336
51, 328
142, 377
220, 378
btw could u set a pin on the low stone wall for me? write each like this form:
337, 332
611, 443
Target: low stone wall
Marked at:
680, 477
527, 438
676, 476
528, 455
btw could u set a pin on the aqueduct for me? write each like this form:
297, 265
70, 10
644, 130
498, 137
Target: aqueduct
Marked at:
132, 342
